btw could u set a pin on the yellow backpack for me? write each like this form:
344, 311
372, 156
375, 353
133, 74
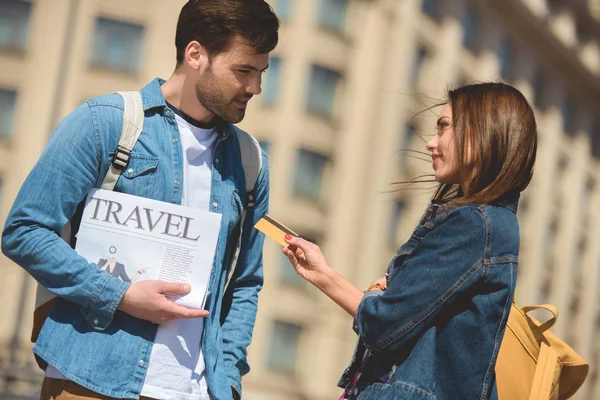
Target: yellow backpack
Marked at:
533, 363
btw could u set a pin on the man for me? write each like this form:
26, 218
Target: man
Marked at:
104, 336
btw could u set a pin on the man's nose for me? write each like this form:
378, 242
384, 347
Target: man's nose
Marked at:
254, 86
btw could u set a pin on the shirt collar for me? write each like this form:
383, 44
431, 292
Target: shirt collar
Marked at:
152, 97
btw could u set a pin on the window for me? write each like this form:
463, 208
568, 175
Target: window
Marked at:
506, 57
309, 174
547, 250
566, 109
555, 6
321, 90
117, 45
14, 23
541, 85
287, 273
595, 137
397, 212
284, 346
587, 191
283, 9
418, 65
470, 25
7, 110
332, 14
265, 145
406, 141
272, 81
429, 7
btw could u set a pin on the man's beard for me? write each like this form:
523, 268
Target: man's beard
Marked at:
213, 99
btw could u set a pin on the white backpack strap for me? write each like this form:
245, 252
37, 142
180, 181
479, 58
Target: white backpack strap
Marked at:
252, 163
133, 123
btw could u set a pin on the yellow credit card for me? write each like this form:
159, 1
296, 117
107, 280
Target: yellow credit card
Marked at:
274, 229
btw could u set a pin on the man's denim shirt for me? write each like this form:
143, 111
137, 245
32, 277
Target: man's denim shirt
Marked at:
436, 331
85, 338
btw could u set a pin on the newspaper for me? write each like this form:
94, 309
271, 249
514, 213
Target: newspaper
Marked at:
137, 239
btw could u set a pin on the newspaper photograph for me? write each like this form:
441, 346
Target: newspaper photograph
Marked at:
135, 239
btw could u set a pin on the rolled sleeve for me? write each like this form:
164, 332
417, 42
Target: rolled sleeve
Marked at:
99, 313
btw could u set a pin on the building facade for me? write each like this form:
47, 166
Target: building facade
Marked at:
341, 103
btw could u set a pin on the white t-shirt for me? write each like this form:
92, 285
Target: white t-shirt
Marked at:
176, 369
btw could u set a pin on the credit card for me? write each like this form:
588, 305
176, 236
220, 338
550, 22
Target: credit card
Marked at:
274, 229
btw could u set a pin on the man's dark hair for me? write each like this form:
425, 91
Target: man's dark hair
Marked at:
213, 23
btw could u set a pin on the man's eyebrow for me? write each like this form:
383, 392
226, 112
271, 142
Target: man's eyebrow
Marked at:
246, 66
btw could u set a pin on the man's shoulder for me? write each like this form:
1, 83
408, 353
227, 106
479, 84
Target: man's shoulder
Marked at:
110, 100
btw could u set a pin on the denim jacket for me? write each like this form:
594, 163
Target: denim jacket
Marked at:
85, 338
435, 332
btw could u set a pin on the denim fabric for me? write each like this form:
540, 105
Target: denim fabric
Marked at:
84, 337
436, 331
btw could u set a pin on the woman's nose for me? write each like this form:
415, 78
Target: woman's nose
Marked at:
430, 146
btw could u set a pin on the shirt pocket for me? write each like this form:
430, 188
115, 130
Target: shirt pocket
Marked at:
139, 178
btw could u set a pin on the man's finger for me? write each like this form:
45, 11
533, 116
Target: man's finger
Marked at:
178, 311
174, 288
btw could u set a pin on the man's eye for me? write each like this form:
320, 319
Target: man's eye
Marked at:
243, 71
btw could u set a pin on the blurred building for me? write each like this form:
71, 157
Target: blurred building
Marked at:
337, 109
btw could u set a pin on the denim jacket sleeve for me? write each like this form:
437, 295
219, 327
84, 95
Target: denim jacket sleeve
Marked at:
241, 299
67, 169
447, 262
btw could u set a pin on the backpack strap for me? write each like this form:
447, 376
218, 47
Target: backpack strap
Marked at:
133, 123
545, 372
252, 162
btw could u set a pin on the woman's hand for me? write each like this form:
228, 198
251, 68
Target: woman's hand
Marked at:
378, 284
306, 258
309, 263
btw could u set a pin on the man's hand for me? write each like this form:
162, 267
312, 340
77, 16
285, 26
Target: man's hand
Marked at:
147, 300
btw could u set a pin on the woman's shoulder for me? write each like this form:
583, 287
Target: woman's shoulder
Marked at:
490, 219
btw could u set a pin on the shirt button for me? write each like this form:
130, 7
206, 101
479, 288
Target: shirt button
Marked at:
176, 182
355, 391
175, 140
215, 205
130, 170
216, 161
96, 322
168, 113
141, 362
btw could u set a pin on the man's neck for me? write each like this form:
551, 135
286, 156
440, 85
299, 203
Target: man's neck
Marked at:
180, 91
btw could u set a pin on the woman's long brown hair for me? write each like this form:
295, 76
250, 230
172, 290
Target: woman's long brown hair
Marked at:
497, 124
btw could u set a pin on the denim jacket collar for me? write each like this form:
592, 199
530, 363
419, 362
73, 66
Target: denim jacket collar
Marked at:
509, 201
152, 97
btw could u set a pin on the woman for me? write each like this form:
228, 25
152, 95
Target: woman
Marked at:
434, 333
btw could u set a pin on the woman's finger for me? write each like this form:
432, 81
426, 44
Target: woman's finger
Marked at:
299, 253
291, 256
298, 242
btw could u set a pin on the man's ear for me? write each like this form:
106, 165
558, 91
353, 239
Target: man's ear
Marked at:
196, 56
